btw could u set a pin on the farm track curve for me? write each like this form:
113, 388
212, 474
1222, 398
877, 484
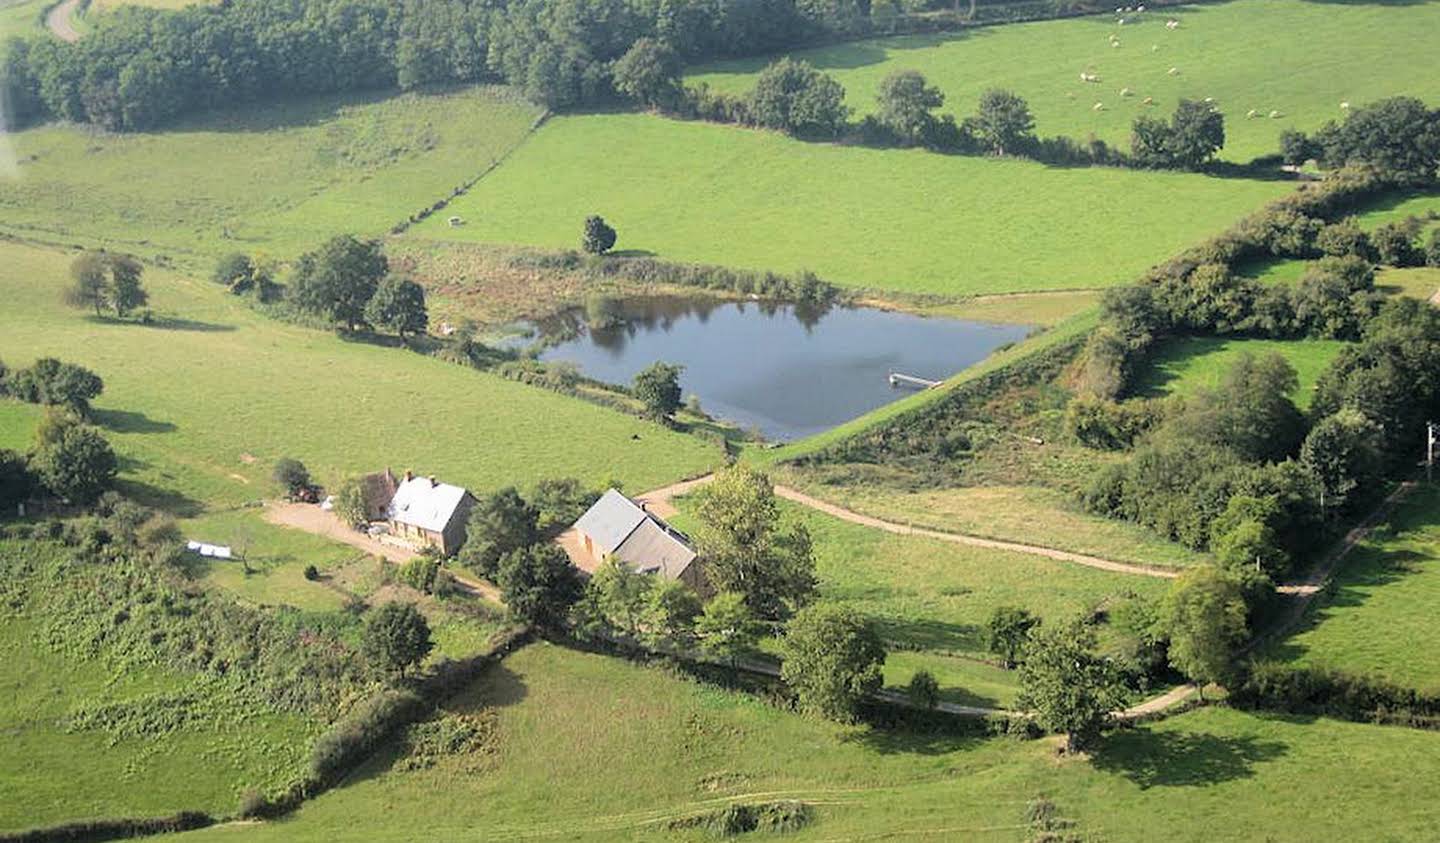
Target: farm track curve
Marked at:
60, 20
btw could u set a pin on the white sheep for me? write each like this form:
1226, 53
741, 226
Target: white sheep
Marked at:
1345, 105
1149, 100
1126, 92
1209, 100
1099, 106
1115, 44
1140, 8
1174, 71
1276, 115
1154, 48
1172, 24
1252, 114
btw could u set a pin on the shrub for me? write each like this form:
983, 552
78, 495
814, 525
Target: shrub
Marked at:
599, 237
312, 573
923, 691
291, 474
357, 735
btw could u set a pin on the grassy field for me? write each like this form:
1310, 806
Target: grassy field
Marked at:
935, 597
1028, 514
21, 17
201, 404
1380, 620
270, 179
590, 748
56, 770
1182, 365
1423, 204
907, 221
1262, 55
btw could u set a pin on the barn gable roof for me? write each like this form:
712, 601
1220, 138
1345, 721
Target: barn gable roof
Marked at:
610, 521
619, 527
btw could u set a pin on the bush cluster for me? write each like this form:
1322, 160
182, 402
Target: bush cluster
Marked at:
1275, 686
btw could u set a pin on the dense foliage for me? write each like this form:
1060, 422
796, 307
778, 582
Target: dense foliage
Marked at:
832, 658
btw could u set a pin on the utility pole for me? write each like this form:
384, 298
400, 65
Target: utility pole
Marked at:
1429, 451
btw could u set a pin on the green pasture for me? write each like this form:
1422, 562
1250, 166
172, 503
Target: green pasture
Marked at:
55, 772
22, 17
1182, 365
1034, 515
1297, 57
201, 404
1422, 204
592, 748
901, 220
1380, 618
268, 179
1421, 282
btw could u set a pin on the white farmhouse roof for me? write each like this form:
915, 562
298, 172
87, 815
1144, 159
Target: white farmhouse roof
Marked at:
422, 502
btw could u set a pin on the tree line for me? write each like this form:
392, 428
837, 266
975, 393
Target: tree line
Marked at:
142, 67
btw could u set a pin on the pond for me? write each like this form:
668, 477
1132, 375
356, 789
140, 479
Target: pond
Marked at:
788, 371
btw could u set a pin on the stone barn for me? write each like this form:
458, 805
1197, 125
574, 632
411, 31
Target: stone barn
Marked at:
424, 511
617, 526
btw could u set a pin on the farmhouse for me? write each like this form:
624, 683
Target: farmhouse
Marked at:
424, 511
378, 489
617, 526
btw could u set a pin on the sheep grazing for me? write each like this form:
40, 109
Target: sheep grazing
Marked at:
1089, 77
1174, 71
1276, 115
1099, 106
1149, 100
1126, 92
1252, 114
1345, 106
1121, 22
1209, 100
1139, 8
1154, 48
1172, 24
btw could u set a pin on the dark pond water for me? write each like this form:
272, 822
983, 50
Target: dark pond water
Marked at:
790, 372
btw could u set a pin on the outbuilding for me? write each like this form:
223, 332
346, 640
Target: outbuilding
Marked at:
424, 511
618, 527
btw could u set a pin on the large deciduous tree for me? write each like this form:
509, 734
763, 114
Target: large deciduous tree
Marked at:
649, 73
338, 280
832, 657
1204, 614
539, 585
747, 549
906, 102
1003, 122
1007, 631
396, 637
1068, 686
398, 305
793, 97
501, 523
74, 461
658, 388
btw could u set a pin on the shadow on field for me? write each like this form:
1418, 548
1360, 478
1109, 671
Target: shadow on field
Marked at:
266, 117
163, 323
902, 740
124, 421
1368, 570
927, 634
165, 500
1183, 759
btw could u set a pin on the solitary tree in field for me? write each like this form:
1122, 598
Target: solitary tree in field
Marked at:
599, 237
126, 293
1204, 613
923, 691
88, 274
539, 585
396, 637
1003, 122
1197, 132
748, 550
832, 658
398, 305
57, 384
727, 628
658, 388
1067, 685
1007, 632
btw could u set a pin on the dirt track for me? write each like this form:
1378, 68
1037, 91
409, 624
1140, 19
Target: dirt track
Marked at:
60, 20
661, 503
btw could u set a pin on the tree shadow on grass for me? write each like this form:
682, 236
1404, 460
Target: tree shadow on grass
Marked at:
124, 421
901, 738
927, 634
170, 501
162, 323
1368, 570
1183, 759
